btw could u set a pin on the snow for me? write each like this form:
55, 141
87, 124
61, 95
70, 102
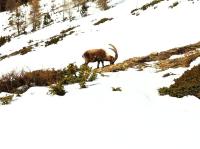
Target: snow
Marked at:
97, 117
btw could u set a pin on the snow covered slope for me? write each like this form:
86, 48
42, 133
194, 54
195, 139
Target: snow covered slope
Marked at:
97, 117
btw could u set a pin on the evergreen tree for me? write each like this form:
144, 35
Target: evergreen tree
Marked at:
47, 19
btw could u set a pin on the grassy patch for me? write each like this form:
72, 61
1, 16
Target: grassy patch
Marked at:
187, 84
103, 21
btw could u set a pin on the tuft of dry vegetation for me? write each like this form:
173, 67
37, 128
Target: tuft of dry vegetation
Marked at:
103, 21
178, 62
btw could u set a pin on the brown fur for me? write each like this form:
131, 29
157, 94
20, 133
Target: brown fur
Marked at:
100, 55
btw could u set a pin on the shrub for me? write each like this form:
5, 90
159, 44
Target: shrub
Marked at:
81, 75
187, 84
116, 89
47, 19
6, 99
84, 9
57, 89
4, 39
84, 73
93, 76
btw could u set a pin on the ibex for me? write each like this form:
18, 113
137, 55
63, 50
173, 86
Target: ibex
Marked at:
100, 55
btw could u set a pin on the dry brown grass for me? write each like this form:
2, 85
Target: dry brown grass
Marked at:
178, 62
190, 54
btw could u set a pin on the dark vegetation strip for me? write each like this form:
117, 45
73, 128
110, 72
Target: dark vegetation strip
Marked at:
22, 51
57, 38
146, 6
187, 84
103, 21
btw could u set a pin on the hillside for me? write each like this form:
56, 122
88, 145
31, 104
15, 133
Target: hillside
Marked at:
158, 46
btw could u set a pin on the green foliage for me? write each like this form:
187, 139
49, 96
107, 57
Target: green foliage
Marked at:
84, 73
70, 74
116, 89
57, 89
6, 99
102, 21
81, 75
4, 39
93, 76
187, 84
